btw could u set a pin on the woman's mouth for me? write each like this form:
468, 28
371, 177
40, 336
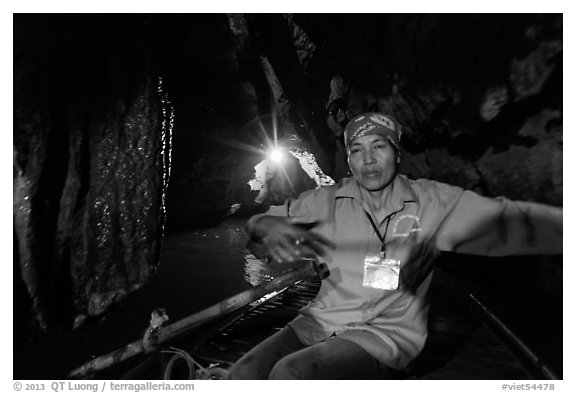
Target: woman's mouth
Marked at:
371, 174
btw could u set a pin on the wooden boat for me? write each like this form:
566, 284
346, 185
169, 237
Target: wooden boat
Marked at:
466, 341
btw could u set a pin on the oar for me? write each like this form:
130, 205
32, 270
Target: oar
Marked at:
170, 332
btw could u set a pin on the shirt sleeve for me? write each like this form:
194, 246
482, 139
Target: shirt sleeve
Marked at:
310, 206
501, 227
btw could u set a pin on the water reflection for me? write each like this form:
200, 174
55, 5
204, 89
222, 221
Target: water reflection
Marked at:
199, 259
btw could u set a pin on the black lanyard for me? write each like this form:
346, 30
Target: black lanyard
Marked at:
381, 237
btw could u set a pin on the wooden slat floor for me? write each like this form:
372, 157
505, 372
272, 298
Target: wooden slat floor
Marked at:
458, 346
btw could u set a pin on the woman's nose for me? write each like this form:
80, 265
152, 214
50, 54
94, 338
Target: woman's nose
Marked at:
368, 157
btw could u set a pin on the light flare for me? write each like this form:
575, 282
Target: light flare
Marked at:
276, 155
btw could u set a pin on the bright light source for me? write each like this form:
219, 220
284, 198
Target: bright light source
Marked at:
276, 155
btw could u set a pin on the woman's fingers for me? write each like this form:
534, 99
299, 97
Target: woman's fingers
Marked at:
312, 243
322, 240
287, 242
281, 250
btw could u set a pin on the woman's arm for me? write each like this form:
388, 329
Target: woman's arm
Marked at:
501, 227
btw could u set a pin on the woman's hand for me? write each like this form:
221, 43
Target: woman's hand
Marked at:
286, 241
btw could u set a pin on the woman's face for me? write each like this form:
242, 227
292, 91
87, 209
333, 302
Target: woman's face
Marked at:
373, 161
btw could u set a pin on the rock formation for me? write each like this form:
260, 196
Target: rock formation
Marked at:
91, 157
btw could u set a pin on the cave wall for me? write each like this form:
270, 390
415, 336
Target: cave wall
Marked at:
479, 97
91, 149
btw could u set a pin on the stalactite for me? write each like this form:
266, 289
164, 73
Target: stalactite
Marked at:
91, 160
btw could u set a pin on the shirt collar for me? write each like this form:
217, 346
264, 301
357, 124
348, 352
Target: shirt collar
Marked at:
400, 189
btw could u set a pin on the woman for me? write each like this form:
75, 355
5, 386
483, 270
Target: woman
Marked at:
379, 233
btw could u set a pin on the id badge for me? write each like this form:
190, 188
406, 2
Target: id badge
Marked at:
381, 273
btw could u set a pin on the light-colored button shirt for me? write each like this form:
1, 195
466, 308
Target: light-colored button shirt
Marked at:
423, 217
